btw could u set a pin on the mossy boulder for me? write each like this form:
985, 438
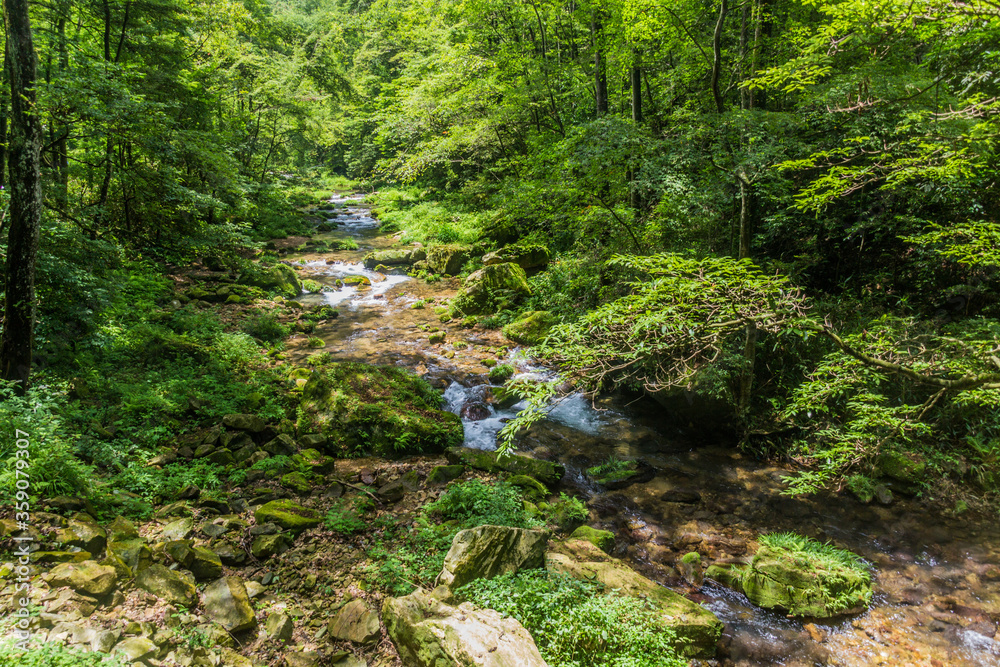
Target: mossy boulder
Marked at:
430, 633
278, 278
387, 258
88, 577
204, 563
525, 256
531, 327
444, 474
800, 577
492, 288
906, 471
227, 603
297, 482
384, 410
135, 553
288, 515
485, 552
170, 585
696, 629
447, 259
546, 472
602, 539
531, 487
83, 533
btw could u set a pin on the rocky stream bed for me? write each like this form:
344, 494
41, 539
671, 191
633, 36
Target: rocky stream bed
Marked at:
284, 588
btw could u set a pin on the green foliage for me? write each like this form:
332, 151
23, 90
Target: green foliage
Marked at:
817, 554
410, 556
344, 519
612, 468
163, 485
474, 503
501, 373
265, 327
426, 220
54, 654
575, 623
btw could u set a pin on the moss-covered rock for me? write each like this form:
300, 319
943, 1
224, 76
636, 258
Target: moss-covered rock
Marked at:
492, 288
906, 470
88, 577
444, 474
447, 259
531, 487
526, 256
288, 515
799, 576
170, 585
384, 410
227, 603
531, 327
622, 474
388, 258
544, 471
429, 633
602, 539
485, 552
278, 278
696, 629
297, 482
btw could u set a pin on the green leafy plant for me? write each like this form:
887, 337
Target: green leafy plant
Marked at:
265, 327
575, 623
344, 518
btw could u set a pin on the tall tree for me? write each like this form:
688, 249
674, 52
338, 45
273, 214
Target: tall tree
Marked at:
26, 197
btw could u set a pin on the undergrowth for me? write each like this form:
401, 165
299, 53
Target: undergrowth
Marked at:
575, 623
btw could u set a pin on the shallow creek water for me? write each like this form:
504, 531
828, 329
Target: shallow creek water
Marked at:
937, 579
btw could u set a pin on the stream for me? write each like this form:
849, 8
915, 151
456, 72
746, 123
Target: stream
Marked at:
937, 578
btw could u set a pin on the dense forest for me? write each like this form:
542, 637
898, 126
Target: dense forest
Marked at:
268, 264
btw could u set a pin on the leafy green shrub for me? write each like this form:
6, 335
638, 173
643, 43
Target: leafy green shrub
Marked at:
155, 485
474, 503
344, 519
265, 327
51, 466
575, 623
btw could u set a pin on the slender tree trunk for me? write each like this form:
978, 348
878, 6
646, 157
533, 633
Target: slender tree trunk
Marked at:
635, 78
26, 198
600, 71
4, 116
746, 379
717, 56
745, 217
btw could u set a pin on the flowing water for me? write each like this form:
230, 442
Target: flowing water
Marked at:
937, 578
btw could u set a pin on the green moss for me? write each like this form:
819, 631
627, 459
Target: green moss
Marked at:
297, 482
492, 288
287, 515
518, 464
501, 373
692, 558
531, 327
801, 577
602, 539
383, 410
902, 468
531, 487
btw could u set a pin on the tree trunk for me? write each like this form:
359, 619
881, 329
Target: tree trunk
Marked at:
26, 198
717, 56
745, 222
600, 71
